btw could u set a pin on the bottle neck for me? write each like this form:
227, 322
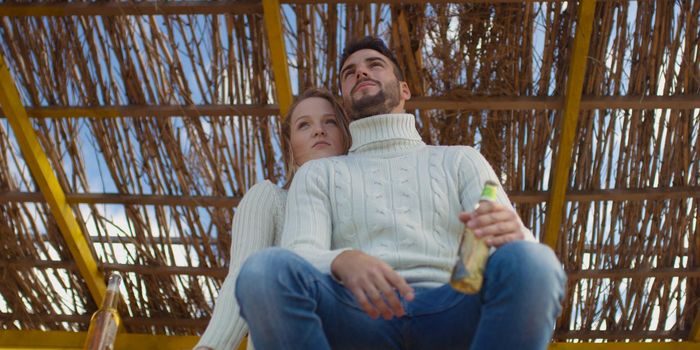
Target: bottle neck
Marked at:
112, 296
111, 300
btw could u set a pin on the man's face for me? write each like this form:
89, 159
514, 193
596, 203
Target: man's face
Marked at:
369, 85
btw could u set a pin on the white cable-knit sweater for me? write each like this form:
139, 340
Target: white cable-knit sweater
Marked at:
392, 197
256, 225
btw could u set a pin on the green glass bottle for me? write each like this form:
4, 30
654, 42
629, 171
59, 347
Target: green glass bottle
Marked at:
468, 272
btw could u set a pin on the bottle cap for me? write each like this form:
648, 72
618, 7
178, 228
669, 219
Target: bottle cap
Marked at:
114, 281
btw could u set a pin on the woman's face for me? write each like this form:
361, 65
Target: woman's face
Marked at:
314, 131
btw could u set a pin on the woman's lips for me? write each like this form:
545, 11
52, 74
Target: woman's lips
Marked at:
320, 144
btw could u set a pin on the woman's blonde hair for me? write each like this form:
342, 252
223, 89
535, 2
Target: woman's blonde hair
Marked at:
340, 116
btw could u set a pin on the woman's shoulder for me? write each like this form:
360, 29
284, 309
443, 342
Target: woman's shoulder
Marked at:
264, 196
267, 189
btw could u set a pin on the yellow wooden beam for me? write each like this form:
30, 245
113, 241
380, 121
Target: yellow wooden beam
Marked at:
278, 53
12, 339
572, 109
48, 184
626, 346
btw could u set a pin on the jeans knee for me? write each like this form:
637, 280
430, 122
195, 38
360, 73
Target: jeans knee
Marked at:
529, 264
260, 271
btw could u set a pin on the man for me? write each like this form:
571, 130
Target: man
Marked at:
375, 233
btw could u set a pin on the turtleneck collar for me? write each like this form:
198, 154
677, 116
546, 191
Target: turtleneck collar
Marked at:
384, 134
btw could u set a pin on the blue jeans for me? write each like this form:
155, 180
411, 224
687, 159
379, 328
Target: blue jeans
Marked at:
289, 304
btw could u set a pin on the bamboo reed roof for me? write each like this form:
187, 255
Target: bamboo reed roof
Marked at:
157, 117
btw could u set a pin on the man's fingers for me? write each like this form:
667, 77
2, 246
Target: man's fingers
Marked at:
392, 301
464, 217
399, 283
379, 303
498, 228
487, 206
373, 283
497, 241
489, 218
364, 303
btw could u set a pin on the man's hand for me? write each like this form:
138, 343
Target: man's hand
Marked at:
373, 282
494, 223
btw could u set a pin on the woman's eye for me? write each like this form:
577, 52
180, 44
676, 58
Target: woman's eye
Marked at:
332, 121
302, 125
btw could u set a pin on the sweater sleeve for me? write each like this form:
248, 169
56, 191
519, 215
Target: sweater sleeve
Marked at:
474, 171
253, 229
308, 228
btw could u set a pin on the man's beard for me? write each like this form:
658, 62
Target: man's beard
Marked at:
382, 102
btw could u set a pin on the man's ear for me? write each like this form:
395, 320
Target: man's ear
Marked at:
405, 91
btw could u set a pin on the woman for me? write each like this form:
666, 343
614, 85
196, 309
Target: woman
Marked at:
316, 126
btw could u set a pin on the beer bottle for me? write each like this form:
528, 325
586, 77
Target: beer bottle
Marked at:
105, 321
468, 272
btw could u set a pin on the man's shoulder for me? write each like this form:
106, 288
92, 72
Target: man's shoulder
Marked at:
322, 163
454, 156
452, 150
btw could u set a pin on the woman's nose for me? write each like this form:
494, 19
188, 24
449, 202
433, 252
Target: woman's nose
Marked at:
319, 130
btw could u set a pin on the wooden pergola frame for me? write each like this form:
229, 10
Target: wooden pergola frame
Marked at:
190, 7
278, 53
59, 202
532, 197
48, 184
534, 103
572, 108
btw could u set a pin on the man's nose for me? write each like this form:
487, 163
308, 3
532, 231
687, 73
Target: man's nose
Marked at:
360, 72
